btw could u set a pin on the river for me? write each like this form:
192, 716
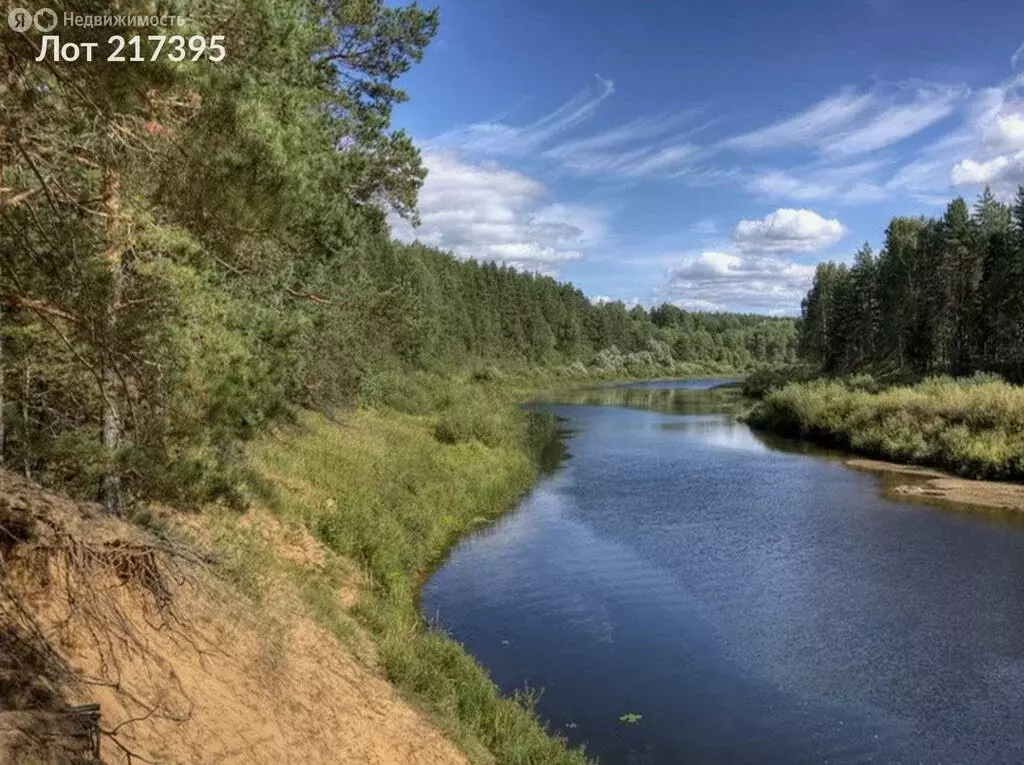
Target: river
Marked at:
687, 591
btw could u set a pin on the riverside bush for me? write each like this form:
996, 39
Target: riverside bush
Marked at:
973, 427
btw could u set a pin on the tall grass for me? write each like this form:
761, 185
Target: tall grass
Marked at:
973, 427
392, 486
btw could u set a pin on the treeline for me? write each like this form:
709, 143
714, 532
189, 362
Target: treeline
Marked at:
191, 250
943, 296
490, 312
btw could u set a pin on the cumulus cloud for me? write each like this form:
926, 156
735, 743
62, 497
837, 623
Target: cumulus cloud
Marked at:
488, 212
788, 230
1005, 131
727, 281
991, 149
996, 171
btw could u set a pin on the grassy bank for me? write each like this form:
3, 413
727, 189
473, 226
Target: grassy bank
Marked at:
972, 427
390, 487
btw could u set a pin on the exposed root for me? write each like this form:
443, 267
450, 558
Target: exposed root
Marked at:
85, 575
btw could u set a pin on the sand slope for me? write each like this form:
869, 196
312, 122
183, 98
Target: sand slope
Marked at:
185, 671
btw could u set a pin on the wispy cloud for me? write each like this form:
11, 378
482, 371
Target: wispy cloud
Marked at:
643, 147
849, 123
895, 124
499, 138
1016, 56
648, 146
705, 227
810, 126
854, 183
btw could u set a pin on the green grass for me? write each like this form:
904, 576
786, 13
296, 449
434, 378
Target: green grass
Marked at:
972, 427
392, 486
388, 488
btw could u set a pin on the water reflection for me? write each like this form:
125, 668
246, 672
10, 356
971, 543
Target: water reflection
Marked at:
693, 400
751, 597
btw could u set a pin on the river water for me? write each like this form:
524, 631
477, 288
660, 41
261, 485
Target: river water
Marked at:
751, 600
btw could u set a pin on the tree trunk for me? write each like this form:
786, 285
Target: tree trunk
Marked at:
112, 426
3, 364
25, 393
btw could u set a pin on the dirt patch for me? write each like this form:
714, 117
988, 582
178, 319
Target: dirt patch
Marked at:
908, 481
292, 543
184, 670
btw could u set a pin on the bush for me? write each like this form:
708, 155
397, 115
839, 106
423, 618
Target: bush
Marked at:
763, 379
973, 427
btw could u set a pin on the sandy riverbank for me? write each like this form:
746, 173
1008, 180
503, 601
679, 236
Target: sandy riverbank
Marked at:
929, 484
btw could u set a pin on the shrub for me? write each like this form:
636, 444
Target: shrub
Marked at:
973, 427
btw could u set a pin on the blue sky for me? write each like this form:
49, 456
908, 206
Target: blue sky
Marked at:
707, 153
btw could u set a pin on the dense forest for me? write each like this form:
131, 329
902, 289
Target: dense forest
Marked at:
943, 296
192, 250
908, 353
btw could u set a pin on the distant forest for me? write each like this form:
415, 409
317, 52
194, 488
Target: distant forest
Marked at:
944, 295
190, 251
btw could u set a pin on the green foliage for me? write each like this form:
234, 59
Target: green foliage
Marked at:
763, 379
189, 253
943, 296
973, 427
193, 254
376, 488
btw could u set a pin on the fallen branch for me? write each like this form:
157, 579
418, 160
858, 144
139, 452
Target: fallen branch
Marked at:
309, 296
38, 306
17, 199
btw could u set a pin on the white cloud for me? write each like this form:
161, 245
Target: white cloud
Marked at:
996, 171
705, 227
631, 303
488, 212
696, 304
990, 149
852, 183
634, 163
864, 192
808, 127
647, 146
787, 230
896, 124
502, 139
661, 159
1005, 131
716, 281
778, 183
1016, 56
642, 129
921, 176
848, 123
